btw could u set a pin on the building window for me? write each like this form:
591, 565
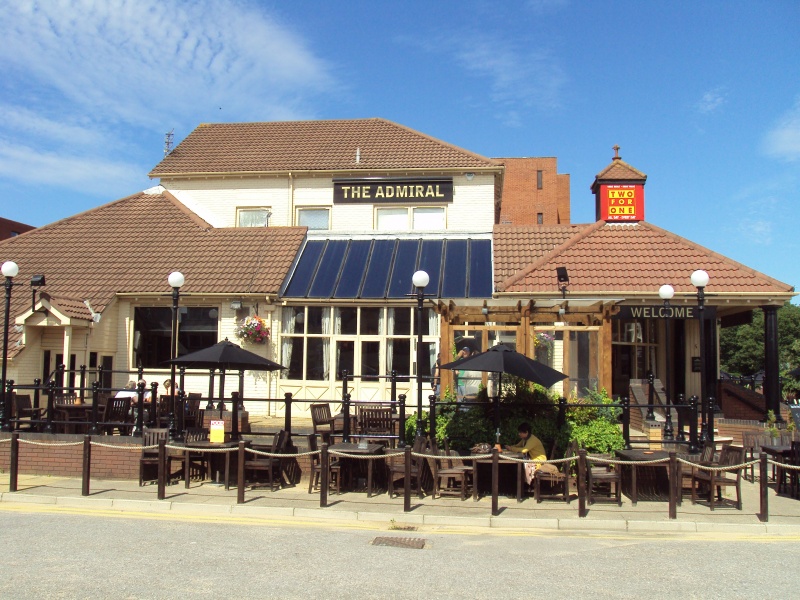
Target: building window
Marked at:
539, 218
391, 219
197, 329
420, 218
539, 179
253, 217
314, 218
428, 218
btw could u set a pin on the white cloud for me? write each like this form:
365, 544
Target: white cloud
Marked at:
783, 140
712, 100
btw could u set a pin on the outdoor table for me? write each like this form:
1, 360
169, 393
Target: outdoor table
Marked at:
370, 450
502, 459
216, 461
73, 415
638, 455
780, 453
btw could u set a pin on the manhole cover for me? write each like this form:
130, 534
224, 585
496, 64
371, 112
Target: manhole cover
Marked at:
400, 542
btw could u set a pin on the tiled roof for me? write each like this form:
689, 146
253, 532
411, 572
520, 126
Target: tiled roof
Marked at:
619, 170
516, 247
311, 145
131, 245
624, 258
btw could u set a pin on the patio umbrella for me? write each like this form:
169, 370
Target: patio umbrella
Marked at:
502, 359
226, 355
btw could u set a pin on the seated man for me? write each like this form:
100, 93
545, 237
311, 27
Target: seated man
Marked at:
532, 447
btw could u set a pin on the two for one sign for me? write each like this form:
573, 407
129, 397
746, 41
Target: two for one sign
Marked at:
622, 202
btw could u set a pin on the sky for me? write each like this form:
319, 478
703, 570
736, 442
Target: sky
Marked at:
702, 97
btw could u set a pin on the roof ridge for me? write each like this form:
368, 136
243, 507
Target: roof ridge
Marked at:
438, 141
583, 233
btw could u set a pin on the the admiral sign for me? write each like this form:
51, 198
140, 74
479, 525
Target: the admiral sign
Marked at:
393, 190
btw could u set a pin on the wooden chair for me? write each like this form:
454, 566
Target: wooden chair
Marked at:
752, 442
706, 458
117, 415
25, 414
716, 480
195, 464
396, 469
794, 475
377, 421
193, 416
149, 458
323, 421
334, 469
604, 475
556, 479
447, 480
269, 464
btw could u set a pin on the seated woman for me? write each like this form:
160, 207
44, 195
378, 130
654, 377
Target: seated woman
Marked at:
532, 447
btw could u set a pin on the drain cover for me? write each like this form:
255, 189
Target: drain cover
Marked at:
400, 542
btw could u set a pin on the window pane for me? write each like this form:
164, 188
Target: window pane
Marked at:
328, 270
391, 219
345, 357
197, 329
429, 321
405, 260
398, 357
254, 217
428, 218
454, 279
370, 360
370, 321
378, 271
318, 320
316, 359
293, 357
313, 218
399, 321
353, 269
346, 321
306, 267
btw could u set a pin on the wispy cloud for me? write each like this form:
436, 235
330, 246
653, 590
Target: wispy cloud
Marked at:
712, 100
783, 140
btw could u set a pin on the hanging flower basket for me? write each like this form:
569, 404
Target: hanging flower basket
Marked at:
544, 341
253, 330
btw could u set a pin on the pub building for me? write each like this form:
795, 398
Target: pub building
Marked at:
317, 228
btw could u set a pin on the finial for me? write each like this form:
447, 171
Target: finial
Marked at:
615, 148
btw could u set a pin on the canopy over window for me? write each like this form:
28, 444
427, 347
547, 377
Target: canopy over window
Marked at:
382, 268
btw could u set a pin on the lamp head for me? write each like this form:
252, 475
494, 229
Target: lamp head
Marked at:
666, 292
10, 269
699, 278
176, 279
420, 279
37, 281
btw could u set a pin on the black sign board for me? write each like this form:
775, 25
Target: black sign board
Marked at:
403, 190
659, 311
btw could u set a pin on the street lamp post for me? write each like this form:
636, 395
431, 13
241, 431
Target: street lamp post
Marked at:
666, 292
9, 270
176, 280
699, 280
420, 279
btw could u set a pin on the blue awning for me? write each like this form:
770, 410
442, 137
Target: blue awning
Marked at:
382, 269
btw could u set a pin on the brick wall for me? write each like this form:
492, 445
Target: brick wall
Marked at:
522, 200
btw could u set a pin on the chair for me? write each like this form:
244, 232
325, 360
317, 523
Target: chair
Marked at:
605, 475
752, 442
447, 480
334, 468
25, 414
706, 458
716, 480
556, 479
149, 457
377, 421
193, 416
322, 420
269, 464
396, 469
117, 414
194, 463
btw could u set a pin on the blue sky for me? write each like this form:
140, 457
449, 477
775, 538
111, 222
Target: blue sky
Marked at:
703, 97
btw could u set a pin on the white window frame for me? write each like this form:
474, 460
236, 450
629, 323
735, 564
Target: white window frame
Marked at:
243, 209
313, 208
410, 213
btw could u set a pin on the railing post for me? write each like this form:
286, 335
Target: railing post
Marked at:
651, 381
681, 411
407, 480
154, 405
763, 475
402, 425
95, 398
37, 383
711, 405
703, 422
51, 392
674, 485
287, 414
346, 424
83, 382
495, 480
240, 473
626, 422
325, 466
432, 416
562, 412
581, 482
14, 462
139, 424
694, 446
162, 469
87, 465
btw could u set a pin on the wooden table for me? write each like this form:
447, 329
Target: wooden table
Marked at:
639, 455
502, 459
215, 461
74, 414
781, 454
370, 450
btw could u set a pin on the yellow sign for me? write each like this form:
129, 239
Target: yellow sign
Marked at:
217, 432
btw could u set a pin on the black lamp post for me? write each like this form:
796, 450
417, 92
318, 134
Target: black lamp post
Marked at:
420, 279
699, 280
9, 270
176, 280
666, 292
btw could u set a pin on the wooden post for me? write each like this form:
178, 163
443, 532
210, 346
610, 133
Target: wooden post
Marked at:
581, 482
240, 473
495, 480
763, 474
162, 476
14, 466
407, 480
325, 466
674, 484
87, 465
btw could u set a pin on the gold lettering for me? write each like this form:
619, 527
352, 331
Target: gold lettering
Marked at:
429, 192
402, 191
356, 192
345, 189
365, 191
379, 192
439, 194
419, 191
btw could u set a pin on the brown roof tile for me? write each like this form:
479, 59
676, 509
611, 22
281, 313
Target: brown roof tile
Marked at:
618, 170
624, 258
132, 244
311, 145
